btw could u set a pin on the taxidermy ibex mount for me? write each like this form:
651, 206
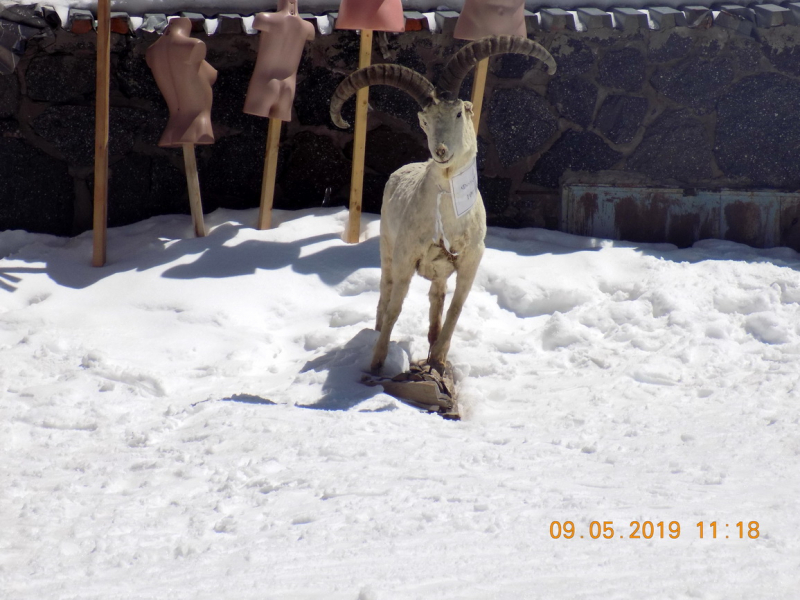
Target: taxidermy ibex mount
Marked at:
421, 232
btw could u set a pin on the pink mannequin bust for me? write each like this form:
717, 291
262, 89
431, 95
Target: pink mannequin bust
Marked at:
185, 79
280, 47
491, 17
378, 15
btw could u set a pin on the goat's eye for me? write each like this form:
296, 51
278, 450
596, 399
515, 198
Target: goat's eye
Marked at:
458, 116
424, 123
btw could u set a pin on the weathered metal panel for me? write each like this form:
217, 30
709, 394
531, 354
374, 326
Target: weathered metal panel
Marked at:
790, 221
762, 219
751, 218
639, 214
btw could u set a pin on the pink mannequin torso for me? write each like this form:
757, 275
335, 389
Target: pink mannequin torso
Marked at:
185, 79
378, 15
491, 17
281, 43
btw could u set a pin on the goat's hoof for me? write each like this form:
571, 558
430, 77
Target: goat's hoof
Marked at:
437, 366
375, 368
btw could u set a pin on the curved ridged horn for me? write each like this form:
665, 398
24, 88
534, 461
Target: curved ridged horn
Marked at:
403, 78
462, 62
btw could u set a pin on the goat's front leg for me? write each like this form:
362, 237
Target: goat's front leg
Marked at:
436, 295
466, 270
401, 280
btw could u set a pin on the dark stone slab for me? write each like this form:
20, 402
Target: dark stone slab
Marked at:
747, 54
665, 17
13, 41
9, 96
71, 130
394, 102
229, 92
772, 15
675, 147
389, 150
574, 98
154, 23
371, 197
573, 58
24, 15
313, 166
483, 149
620, 117
698, 17
676, 46
345, 51
520, 122
50, 16
514, 66
133, 77
233, 173
495, 192
37, 191
758, 133
575, 150
695, 83
786, 58
230, 24
622, 69
60, 77
313, 97
629, 20
142, 186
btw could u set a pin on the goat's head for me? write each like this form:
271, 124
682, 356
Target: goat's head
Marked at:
446, 120
451, 136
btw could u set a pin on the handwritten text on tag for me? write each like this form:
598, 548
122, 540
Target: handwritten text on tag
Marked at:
464, 189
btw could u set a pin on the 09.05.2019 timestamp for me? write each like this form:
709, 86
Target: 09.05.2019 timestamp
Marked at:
659, 530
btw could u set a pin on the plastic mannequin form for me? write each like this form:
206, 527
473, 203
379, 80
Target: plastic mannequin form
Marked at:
377, 15
481, 18
185, 79
491, 17
281, 43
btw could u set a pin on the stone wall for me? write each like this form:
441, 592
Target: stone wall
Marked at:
696, 103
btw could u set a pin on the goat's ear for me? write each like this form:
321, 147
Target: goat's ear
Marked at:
468, 107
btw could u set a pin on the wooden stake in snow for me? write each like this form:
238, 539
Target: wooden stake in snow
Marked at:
270, 170
193, 185
100, 218
366, 16
359, 144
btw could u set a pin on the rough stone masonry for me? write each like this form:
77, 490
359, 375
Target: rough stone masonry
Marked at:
685, 99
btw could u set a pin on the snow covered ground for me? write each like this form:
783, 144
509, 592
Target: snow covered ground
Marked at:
187, 422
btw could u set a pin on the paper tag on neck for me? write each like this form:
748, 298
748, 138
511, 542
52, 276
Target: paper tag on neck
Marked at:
464, 189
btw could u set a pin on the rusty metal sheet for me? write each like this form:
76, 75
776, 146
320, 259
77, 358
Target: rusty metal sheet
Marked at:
751, 218
639, 214
762, 219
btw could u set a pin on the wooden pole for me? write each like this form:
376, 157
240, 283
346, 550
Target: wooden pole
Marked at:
359, 144
193, 183
270, 169
478, 89
100, 218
